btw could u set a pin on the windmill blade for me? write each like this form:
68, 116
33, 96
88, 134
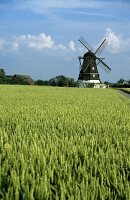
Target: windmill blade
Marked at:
103, 64
86, 44
97, 61
103, 67
101, 47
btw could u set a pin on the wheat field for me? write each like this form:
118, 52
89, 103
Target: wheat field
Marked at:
64, 143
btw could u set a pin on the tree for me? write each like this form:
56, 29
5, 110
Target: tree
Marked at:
41, 82
19, 80
62, 81
71, 82
2, 73
120, 81
2, 76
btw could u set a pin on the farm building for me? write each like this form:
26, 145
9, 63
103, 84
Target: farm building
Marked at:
26, 78
20, 79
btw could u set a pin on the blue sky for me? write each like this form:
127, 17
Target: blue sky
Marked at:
40, 37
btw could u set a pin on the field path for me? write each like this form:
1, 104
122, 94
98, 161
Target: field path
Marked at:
124, 93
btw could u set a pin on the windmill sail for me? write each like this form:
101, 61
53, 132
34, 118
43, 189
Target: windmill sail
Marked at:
86, 44
101, 47
104, 64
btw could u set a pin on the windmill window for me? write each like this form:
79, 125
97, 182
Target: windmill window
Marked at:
93, 75
93, 68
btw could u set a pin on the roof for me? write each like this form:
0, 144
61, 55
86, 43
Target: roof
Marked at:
27, 77
89, 53
8, 76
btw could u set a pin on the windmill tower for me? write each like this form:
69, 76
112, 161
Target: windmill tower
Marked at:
88, 67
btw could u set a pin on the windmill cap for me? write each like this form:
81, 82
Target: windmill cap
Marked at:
88, 53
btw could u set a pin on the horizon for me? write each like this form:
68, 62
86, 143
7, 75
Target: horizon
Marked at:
41, 39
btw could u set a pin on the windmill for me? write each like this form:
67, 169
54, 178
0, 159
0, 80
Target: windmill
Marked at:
89, 62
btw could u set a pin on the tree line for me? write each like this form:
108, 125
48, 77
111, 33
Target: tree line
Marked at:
60, 81
8, 80
121, 83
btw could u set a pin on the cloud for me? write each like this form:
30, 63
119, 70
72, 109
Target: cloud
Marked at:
2, 44
14, 46
117, 43
39, 6
8, 45
72, 46
98, 14
60, 46
113, 40
46, 7
40, 42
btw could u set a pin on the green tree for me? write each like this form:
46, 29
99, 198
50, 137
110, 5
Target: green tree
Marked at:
41, 82
62, 81
19, 80
2, 76
120, 81
71, 82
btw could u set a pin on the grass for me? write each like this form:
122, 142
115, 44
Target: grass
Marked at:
64, 143
127, 90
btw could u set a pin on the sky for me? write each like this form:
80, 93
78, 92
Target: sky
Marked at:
40, 37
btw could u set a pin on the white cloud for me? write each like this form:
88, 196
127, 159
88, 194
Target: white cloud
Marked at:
72, 46
77, 12
48, 6
116, 42
2, 44
60, 46
40, 6
8, 45
14, 46
40, 42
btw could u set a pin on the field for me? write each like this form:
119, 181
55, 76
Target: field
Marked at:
64, 143
127, 90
